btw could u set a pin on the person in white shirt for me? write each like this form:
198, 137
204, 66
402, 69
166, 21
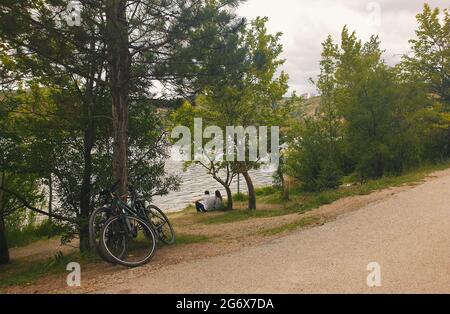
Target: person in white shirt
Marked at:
206, 204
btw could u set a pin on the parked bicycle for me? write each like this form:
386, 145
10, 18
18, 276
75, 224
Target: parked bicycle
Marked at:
127, 233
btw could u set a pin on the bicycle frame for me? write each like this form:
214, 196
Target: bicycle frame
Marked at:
137, 208
126, 210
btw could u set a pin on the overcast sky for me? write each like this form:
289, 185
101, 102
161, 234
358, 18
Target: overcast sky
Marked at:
306, 23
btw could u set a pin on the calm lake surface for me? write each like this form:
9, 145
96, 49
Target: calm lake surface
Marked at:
195, 181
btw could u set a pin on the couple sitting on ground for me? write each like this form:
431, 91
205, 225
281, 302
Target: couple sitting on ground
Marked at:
209, 202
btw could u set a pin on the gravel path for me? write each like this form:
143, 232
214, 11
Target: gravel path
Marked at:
407, 234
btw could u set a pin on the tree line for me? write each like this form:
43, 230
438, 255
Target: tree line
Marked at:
372, 119
375, 119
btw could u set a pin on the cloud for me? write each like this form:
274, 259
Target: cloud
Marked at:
305, 24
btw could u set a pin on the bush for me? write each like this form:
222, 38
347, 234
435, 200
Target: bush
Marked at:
240, 197
314, 158
267, 190
32, 232
330, 176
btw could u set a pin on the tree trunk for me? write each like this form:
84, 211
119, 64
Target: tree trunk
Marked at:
228, 190
286, 188
89, 142
4, 250
284, 183
251, 191
448, 143
229, 198
50, 197
119, 66
86, 187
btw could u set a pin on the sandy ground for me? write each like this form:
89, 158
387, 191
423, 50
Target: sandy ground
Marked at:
407, 234
404, 229
41, 249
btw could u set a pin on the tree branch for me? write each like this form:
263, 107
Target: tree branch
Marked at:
32, 208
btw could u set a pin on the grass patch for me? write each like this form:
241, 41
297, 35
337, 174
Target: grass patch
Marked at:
270, 194
275, 198
182, 239
240, 197
32, 233
23, 272
302, 201
290, 226
238, 215
190, 208
267, 190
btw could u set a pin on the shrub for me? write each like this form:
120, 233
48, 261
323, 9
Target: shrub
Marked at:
32, 232
314, 158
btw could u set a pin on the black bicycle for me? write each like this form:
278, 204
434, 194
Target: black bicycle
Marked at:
155, 217
126, 233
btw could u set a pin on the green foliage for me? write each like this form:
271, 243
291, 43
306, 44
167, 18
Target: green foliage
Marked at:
238, 215
32, 232
248, 95
430, 58
267, 190
315, 143
379, 110
57, 82
24, 272
183, 239
429, 63
240, 197
302, 201
309, 159
253, 94
374, 120
301, 223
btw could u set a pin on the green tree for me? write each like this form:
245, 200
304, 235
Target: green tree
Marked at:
13, 174
429, 63
377, 109
429, 60
257, 98
250, 94
308, 158
370, 119
218, 168
315, 143
114, 57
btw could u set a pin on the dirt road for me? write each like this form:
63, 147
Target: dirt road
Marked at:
407, 234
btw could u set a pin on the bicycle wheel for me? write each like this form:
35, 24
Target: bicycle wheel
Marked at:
135, 234
97, 220
161, 224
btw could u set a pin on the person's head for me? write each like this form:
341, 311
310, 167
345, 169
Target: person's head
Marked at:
206, 192
218, 194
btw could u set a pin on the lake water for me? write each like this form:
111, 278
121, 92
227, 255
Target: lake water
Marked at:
195, 181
